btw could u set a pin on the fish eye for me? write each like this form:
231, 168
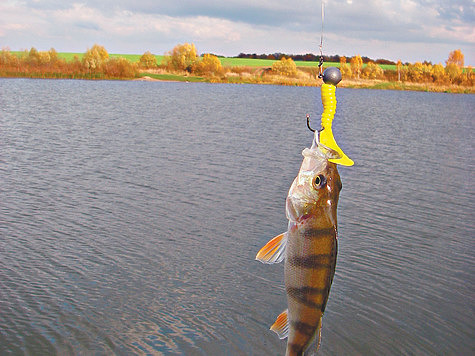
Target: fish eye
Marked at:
319, 181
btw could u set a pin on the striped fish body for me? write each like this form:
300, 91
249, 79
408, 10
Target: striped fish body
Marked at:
309, 248
309, 269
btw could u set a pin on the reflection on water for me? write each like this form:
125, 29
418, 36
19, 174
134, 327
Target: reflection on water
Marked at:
131, 214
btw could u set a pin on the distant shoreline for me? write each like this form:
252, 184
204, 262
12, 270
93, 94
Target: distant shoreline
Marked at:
345, 83
97, 64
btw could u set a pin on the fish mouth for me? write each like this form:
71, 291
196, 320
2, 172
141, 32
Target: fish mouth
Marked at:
319, 150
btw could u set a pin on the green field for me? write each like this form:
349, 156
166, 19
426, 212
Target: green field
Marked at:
250, 62
69, 56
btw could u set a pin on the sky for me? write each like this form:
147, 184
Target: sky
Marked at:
409, 30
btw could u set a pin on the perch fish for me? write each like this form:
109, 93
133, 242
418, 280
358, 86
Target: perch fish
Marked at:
309, 247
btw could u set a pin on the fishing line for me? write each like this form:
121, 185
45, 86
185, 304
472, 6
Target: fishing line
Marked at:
320, 70
320, 64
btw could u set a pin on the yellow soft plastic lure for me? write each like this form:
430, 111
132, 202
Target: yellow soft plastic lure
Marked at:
331, 77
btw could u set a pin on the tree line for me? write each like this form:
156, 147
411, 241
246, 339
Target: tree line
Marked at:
95, 64
454, 71
184, 59
309, 57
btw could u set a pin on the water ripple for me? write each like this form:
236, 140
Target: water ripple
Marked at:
131, 214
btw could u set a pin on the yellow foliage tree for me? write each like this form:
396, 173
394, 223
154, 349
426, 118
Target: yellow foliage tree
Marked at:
372, 71
438, 74
95, 57
43, 58
399, 67
33, 56
8, 59
356, 64
468, 77
53, 55
209, 65
286, 66
415, 72
148, 60
420, 72
454, 73
182, 57
119, 68
345, 68
456, 57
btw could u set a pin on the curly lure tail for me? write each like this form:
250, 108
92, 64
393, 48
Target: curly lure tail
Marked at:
326, 136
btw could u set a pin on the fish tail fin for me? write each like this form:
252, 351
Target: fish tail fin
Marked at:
274, 250
281, 325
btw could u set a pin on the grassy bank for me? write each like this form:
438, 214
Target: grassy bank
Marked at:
388, 85
256, 78
147, 76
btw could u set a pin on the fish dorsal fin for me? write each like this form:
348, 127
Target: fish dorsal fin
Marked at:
274, 250
281, 325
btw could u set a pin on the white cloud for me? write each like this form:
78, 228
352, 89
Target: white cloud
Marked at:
407, 29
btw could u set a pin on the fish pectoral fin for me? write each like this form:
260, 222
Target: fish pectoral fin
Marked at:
281, 325
274, 250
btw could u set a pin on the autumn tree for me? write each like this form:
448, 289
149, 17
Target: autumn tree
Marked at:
286, 67
356, 64
44, 58
438, 74
345, 68
95, 57
182, 57
40, 58
119, 68
453, 73
468, 77
399, 67
148, 60
210, 64
415, 72
33, 56
53, 55
8, 59
372, 71
456, 57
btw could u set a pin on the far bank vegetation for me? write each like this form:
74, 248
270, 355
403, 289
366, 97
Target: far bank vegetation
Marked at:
184, 63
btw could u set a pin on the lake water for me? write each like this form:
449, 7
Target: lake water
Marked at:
131, 214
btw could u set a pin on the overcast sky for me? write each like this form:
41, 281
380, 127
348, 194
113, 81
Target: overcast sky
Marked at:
410, 30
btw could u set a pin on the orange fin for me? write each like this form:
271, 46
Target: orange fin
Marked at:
281, 325
274, 250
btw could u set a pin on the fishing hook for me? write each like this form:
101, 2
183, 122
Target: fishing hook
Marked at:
308, 125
